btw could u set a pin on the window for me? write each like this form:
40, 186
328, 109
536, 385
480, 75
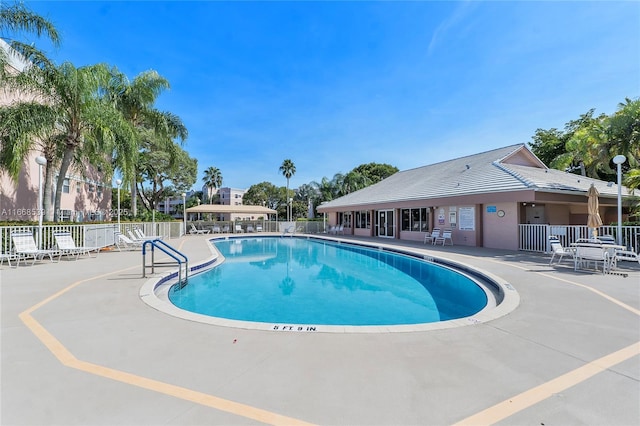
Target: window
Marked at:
363, 219
65, 186
99, 190
344, 218
65, 215
91, 187
416, 220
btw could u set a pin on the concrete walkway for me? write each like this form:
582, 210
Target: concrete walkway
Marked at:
79, 347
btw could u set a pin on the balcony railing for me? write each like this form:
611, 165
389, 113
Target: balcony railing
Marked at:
536, 237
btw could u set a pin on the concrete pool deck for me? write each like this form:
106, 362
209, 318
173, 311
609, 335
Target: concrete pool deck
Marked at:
79, 347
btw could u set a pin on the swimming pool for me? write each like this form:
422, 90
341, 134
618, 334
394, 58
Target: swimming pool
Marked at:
305, 281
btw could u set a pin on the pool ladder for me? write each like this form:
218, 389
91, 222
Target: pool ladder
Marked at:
180, 258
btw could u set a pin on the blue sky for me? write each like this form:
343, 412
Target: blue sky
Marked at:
332, 85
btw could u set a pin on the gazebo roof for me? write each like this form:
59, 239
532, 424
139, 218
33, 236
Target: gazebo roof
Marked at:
221, 208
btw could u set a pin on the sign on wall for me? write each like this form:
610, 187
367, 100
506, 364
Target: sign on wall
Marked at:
467, 218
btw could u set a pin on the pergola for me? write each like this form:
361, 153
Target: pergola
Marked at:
226, 209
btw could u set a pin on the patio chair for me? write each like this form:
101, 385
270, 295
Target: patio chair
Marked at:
432, 237
141, 235
446, 235
216, 229
239, 229
225, 229
289, 230
134, 237
628, 255
67, 246
558, 250
122, 241
25, 247
195, 230
9, 257
250, 228
258, 228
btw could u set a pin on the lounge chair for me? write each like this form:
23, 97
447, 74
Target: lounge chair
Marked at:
141, 235
195, 230
134, 237
432, 237
67, 246
25, 247
558, 250
289, 230
446, 235
122, 241
239, 229
9, 257
627, 255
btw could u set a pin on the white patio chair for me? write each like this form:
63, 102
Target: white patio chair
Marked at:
216, 229
25, 247
558, 250
122, 241
141, 235
258, 228
67, 246
433, 236
446, 235
239, 229
195, 230
250, 228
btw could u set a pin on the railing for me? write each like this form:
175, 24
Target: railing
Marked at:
88, 235
170, 251
306, 227
536, 237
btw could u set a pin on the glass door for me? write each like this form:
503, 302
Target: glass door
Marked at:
386, 227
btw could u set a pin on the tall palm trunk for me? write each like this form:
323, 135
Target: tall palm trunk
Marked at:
64, 166
48, 184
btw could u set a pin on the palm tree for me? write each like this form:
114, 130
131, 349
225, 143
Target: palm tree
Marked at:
212, 180
17, 18
288, 169
77, 124
136, 100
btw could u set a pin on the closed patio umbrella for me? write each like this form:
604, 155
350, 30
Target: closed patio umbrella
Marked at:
593, 221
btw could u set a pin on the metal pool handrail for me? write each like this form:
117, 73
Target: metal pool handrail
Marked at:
169, 251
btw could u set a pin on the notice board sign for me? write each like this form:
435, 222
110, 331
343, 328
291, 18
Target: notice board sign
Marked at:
467, 218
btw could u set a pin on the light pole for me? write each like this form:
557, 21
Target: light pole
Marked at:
618, 160
118, 183
290, 210
184, 211
41, 161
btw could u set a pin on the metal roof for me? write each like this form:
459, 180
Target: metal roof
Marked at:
508, 169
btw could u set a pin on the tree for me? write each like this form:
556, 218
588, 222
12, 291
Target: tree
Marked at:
264, 194
135, 100
375, 172
166, 172
15, 20
288, 169
212, 180
69, 113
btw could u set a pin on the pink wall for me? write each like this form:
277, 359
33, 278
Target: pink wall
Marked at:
500, 232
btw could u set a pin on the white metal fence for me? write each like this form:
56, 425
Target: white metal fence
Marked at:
90, 235
536, 237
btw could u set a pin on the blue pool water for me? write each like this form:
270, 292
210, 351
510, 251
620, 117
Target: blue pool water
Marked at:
306, 281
